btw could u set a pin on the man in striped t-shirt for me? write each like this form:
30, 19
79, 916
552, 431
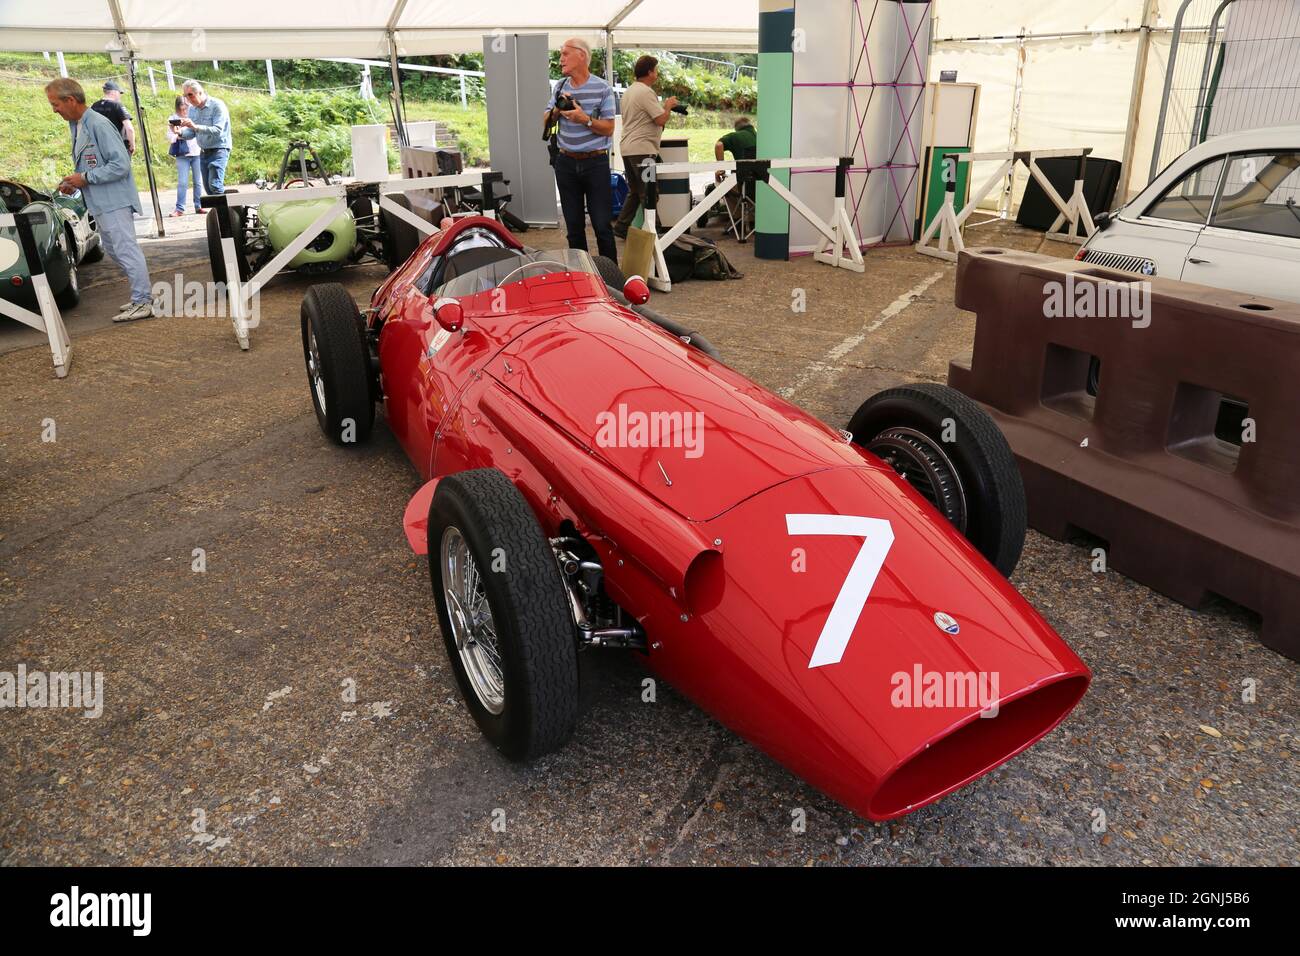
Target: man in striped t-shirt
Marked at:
582, 164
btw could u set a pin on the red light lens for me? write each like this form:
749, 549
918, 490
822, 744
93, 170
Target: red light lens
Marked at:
16, 280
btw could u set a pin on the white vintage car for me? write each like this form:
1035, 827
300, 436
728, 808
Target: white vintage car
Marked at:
1225, 213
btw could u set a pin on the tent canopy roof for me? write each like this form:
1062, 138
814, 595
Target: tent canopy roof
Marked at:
254, 29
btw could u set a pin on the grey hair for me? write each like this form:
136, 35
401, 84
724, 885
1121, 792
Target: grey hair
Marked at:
192, 85
64, 86
581, 44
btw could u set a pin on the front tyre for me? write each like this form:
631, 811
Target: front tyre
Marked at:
504, 614
953, 454
338, 364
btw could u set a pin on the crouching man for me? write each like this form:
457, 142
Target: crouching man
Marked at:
103, 174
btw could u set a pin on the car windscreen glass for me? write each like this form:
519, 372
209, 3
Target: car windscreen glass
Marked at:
512, 268
1189, 199
1261, 194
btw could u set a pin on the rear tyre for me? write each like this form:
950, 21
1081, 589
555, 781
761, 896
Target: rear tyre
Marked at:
96, 252
70, 295
338, 364
214, 244
610, 272
400, 238
952, 453
362, 209
504, 614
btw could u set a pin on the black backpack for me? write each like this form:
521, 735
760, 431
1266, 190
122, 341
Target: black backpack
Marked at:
692, 257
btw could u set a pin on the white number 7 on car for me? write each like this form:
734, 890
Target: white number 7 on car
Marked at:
857, 585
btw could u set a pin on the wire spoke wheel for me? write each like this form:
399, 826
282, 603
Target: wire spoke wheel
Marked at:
314, 369
472, 626
923, 464
952, 454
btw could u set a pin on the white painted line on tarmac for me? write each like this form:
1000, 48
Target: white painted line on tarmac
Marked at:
830, 362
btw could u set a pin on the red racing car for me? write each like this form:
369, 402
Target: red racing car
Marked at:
597, 477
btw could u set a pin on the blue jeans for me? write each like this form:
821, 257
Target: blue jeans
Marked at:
213, 164
117, 232
586, 182
188, 169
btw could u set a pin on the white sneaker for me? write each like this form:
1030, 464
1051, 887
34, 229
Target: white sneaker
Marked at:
125, 305
140, 310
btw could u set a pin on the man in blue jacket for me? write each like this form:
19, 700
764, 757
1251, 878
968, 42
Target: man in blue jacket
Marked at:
103, 174
209, 123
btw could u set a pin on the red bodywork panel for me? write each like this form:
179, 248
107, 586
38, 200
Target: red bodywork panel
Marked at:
723, 547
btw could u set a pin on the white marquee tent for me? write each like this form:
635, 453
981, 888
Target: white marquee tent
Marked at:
1053, 73
255, 29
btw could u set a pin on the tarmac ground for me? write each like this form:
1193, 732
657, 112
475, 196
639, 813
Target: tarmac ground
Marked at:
229, 734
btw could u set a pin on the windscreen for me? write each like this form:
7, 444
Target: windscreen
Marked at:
512, 268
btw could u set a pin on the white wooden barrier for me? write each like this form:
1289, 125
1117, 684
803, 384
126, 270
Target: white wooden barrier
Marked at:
48, 319
837, 247
1072, 212
240, 294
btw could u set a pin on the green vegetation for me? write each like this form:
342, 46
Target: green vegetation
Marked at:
322, 119
702, 128
317, 101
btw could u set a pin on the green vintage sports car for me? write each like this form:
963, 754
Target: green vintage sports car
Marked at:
261, 231
66, 237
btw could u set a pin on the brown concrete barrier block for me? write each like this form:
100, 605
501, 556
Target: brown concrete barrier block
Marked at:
1160, 416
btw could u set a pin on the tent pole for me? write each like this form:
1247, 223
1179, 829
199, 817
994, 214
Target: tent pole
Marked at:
144, 141
1135, 101
398, 117
609, 57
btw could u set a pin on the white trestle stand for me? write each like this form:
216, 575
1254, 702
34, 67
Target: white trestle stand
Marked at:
837, 247
240, 294
48, 319
947, 225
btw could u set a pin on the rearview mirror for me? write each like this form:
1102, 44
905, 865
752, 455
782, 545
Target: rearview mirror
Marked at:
449, 313
636, 291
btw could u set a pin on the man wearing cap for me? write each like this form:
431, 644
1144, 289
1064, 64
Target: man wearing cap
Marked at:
111, 108
209, 123
103, 174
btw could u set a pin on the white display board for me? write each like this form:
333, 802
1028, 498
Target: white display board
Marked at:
517, 88
370, 152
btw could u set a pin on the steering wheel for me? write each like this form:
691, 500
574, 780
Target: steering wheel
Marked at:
1291, 206
529, 265
24, 197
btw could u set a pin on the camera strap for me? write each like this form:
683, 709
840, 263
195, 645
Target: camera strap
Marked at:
553, 141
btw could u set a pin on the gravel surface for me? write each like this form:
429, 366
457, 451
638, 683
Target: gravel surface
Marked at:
229, 734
